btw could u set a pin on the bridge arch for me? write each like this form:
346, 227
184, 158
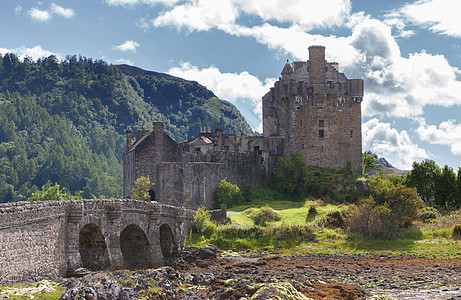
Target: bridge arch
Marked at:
93, 248
167, 241
135, 247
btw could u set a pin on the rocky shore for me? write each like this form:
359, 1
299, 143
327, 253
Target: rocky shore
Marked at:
203, 274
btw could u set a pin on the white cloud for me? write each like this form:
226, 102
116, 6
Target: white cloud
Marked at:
127, 46
63, 12
388, 142
39, 15
447, 133
46, 15
228, 86
34, 52
203, 15
124, 61
17, 10
137, 2
440, 16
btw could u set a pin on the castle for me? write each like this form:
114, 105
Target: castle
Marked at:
312, 109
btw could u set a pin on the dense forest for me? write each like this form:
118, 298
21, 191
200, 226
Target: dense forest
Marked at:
64, 121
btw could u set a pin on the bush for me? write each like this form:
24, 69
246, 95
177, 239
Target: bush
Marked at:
312, 210
227, 193
427, 214
457, 231
263, 215
201, 221
333, 219
371, 220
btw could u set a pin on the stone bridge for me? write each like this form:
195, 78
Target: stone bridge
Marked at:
53, 238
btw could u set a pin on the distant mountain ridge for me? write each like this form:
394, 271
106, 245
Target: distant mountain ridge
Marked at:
385, 166
64, 121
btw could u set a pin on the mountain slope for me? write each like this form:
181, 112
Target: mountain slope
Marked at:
64, 121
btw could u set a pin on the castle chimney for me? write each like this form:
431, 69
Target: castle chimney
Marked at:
218, 131
335, 65
128, 139
209, 129
141, 133
317, 64
159, 127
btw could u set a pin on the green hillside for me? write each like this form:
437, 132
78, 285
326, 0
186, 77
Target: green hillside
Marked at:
64, 121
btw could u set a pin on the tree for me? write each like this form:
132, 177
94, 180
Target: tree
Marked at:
368, 162
446, 193
141, 188
423, 177
227, 193
53, 193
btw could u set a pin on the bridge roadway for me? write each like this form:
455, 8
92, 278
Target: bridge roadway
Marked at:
54, 238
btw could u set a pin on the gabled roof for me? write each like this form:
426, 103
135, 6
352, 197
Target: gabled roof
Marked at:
200, 140
139, 141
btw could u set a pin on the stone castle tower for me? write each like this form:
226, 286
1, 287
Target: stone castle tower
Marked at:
317, 111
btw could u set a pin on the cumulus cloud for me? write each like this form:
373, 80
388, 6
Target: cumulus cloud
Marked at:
228, 86
124, 61
395, 146
18, 10
46, 15
40, 15
440, 16
34, 52
203, 15
127, 46
446, 133
137, 2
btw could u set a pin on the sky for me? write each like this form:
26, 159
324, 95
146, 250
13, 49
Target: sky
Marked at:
407, 52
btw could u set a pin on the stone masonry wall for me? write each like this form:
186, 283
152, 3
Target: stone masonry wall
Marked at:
32, 241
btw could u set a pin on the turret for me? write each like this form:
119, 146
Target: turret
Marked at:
287, 71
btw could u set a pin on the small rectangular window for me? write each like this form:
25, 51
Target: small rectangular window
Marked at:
298, 108
236, 148
302, 146
321, 134
301, 123
352, 133
226, 148
321, 123
197, 149
256, 148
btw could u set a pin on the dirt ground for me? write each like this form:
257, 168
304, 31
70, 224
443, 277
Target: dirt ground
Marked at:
327, 276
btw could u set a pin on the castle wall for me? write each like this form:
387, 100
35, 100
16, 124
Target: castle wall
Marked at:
32, 241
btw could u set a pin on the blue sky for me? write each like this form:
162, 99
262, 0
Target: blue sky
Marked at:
408, 53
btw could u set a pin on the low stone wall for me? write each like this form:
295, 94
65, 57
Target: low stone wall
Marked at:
219, 215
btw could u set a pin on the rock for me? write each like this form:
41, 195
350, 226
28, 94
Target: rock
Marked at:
206, 252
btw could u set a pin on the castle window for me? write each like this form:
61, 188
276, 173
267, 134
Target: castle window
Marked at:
302, 146
321, 133
301, 123
321, 123
256, 148
226, 148
352, 133
330, 83
197, 149
236, 148
298, 108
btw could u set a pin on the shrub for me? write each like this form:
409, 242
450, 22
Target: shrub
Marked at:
334, 219
141, 187
312, 210
457, 231
427, 214
371, 220
263, 215
227, 193
201, 221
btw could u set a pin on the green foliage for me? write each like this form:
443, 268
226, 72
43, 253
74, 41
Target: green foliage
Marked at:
368, 162
64, 121
53, 193
333, 219
201, 221
293, 178
427, 214
371, 220
263, 215
227, 193
457, 231
141, 187
439, 187
312, 210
